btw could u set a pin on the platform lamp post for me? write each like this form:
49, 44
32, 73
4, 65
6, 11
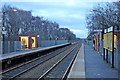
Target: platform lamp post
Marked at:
56, 40
4, 32
0, 31
38, 40
113, 29
43, 29
118, 45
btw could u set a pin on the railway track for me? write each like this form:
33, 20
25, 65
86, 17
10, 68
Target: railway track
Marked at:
37, 68
10, 73
61, 69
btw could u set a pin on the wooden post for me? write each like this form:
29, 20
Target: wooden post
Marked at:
106, 55
113, 48
103, 44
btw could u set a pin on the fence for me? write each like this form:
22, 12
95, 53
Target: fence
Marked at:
47, 43
12, 46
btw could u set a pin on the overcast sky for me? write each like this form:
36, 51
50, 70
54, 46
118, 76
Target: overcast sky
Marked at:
67, 13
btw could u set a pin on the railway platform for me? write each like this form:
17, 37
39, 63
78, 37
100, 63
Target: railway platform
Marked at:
78, 68
16, 58
89, 65
27, 51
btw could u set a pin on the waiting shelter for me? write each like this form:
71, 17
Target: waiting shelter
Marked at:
28, 41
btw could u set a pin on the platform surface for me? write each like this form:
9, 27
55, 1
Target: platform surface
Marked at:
89, 65
96, 67
78, 68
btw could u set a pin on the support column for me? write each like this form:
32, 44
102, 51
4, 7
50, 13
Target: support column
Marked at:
106, 55
103, 53
103, 44
113, 49
1, 32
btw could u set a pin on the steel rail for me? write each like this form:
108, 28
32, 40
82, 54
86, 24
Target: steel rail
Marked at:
41, 77
31, 62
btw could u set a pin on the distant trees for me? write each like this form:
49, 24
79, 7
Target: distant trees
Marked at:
104, 16
18, 21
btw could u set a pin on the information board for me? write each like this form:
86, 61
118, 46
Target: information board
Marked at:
34, 41
108, 41
24, 42
105, 41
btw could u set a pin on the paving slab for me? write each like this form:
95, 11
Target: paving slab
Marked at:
96, 67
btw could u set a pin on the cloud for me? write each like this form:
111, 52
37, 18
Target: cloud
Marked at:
81, 33
69, 2
64, 16
67, 13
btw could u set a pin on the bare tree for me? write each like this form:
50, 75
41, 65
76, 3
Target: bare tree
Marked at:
22, 22
104, 16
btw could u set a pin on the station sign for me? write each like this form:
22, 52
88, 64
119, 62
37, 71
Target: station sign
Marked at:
110, 29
